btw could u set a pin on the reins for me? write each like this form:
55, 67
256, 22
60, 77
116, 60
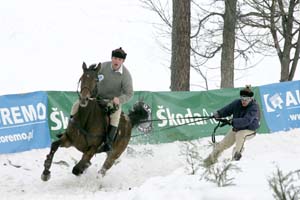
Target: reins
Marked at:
221, 123
213, 135
195, 117
78, 93
200, 118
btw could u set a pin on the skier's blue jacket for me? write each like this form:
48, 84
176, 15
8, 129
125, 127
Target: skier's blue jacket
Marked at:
243, 117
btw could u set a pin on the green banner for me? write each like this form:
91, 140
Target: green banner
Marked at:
174, 115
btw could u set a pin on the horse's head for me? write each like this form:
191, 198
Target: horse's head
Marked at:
88, 81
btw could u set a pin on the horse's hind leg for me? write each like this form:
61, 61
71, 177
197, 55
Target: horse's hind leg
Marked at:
84, 163
47, 164
118, 148
109, 161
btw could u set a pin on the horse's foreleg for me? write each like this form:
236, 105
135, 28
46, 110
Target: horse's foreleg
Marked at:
85, 162
47, 164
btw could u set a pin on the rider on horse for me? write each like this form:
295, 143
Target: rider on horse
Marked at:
115, 83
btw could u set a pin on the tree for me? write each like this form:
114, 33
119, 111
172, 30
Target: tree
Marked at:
282, 19
180, 59
227, 56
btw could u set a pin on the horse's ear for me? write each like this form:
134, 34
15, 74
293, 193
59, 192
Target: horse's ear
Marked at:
98, 67
84, 67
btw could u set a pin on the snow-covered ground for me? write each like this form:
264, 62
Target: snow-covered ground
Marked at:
150, 172
45, 42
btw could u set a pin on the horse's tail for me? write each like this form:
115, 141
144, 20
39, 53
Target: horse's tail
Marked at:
138, 114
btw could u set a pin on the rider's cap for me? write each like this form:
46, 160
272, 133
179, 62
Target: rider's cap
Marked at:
247, 92
119, 53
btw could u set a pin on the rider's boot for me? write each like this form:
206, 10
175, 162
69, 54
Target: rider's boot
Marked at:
237, 156
110, 136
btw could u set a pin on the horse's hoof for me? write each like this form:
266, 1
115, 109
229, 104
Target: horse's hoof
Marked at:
76, 171
102, 172
46, 175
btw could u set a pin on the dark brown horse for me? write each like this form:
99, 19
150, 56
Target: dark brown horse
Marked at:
87, 128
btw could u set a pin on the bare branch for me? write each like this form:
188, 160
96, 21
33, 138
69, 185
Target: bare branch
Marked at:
159, 9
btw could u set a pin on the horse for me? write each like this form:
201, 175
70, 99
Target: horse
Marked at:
87, 128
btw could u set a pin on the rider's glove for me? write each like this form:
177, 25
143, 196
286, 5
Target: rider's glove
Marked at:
225, 122
216, 115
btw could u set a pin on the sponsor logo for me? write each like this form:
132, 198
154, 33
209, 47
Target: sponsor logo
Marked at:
146, 127
22, 115
168, 118
25, 136
280, 101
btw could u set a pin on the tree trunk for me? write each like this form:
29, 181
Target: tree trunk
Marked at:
287, 21
180, 59
227, 56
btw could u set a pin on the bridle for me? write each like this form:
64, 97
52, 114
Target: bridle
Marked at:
85, 88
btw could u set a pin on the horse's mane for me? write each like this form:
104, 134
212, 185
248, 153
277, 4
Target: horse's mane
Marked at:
92, 67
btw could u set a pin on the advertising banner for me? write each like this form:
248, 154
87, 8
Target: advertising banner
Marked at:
32, 120
23, 122
281, 104
29, 121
